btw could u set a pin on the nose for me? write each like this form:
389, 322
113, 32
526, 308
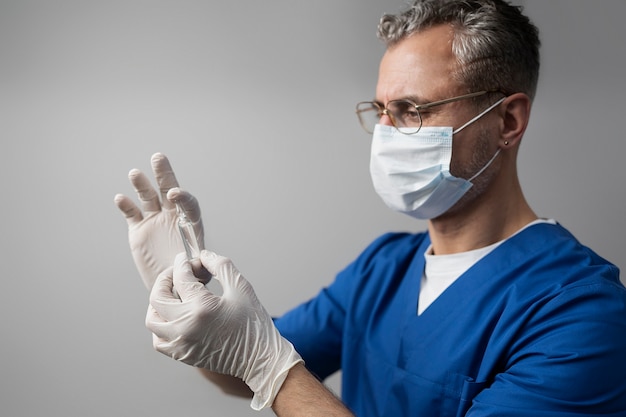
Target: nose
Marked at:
385, 119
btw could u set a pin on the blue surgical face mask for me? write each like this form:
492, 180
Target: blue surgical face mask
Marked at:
411, 173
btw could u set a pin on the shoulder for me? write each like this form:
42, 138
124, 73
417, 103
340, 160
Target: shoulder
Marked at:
564, 289
562, 324
392, 246
381, 268
551, 250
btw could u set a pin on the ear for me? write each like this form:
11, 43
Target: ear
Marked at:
515, 112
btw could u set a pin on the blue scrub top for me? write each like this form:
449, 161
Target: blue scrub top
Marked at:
537, 327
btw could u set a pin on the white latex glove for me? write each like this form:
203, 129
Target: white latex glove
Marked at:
230, 334
153, 234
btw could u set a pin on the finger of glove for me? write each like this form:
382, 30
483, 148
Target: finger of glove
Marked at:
192, 210
187, 201
145, 191
162, 299
153, 320
164, 175
162, 345
187, 285
162, 329
173, 349
129, 208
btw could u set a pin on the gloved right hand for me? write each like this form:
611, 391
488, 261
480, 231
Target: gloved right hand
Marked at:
153, 234
231, 334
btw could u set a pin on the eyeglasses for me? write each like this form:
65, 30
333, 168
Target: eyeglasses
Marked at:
404, 114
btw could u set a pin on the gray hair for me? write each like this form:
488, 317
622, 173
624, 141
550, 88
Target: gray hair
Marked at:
496, 46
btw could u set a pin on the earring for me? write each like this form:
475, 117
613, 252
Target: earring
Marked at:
506, 142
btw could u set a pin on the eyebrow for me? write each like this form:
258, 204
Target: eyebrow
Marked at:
416, 99
413, 98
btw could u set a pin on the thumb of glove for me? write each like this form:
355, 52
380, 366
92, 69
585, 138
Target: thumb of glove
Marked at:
222, 269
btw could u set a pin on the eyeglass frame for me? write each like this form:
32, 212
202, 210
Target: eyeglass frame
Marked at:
384, 111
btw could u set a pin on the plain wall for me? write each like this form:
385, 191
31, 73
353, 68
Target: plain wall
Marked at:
254, 104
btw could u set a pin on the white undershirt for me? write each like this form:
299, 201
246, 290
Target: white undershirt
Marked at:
442, 270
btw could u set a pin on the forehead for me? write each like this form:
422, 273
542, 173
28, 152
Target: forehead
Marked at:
419, 66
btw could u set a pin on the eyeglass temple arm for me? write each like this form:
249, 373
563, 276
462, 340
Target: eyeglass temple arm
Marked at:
450, 100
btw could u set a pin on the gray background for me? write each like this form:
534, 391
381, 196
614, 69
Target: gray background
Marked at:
253, 103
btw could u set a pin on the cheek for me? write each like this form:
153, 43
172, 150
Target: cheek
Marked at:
462, 155
471, 150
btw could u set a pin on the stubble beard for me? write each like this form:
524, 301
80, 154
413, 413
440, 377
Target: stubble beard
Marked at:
481, 183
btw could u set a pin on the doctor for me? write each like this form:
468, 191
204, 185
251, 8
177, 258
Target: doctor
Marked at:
493, 311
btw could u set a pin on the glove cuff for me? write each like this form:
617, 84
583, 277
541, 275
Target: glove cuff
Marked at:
268, 382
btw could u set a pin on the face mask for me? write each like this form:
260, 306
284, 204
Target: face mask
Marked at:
411, 173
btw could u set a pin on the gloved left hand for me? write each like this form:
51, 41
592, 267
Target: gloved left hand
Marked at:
230, 334
153, 234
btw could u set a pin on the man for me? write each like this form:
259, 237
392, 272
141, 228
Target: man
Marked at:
492, 312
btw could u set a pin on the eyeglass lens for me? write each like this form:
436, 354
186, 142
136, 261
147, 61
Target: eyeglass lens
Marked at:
403, 114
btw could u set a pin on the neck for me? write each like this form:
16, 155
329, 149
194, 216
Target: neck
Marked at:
482, 221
